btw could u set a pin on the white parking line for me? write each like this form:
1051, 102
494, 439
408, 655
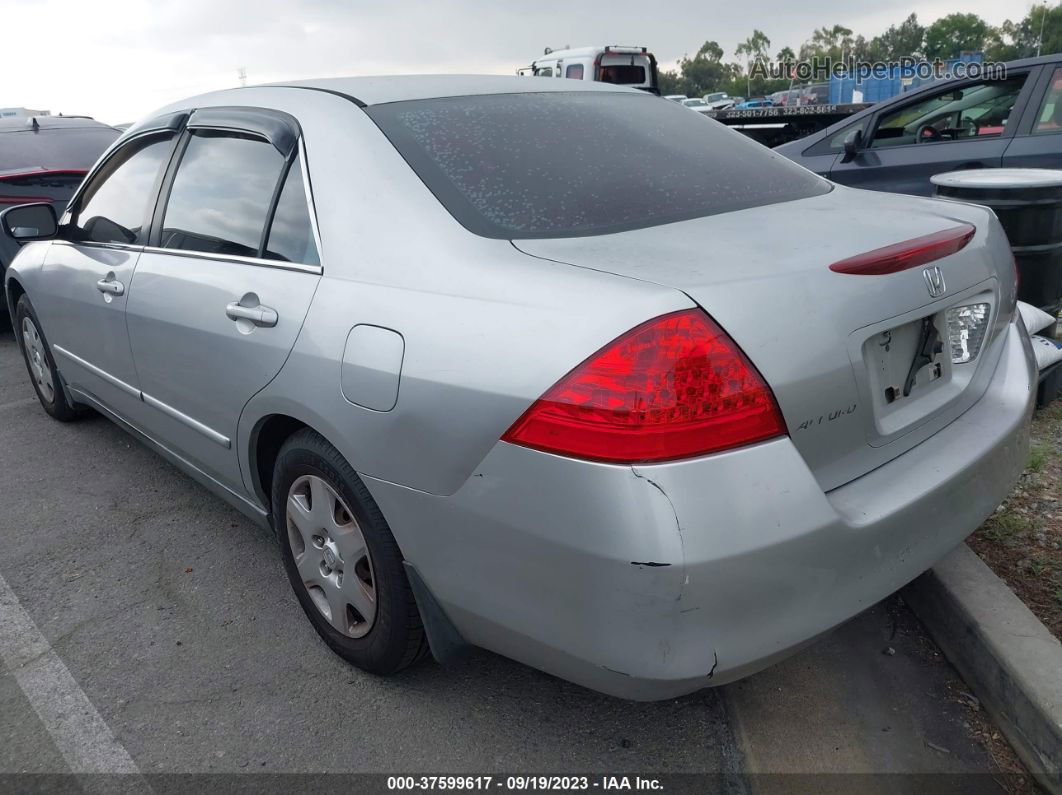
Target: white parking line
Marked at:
85, 741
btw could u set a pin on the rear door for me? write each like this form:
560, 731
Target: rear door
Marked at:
1038, 139
219, 296
963, 126
85, 282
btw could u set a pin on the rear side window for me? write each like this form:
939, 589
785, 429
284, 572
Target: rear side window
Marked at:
574, 71
291, 232
629, 161
114, 206
221, 194
1050, 118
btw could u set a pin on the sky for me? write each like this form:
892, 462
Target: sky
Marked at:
118, 60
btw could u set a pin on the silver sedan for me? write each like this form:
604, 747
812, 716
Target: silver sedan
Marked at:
565, 372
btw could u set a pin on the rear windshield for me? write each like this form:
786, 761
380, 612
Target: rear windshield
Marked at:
621, 74
76, 148
562, 164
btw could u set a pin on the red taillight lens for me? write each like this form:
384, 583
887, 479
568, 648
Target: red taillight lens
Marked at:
674, 387
908, 254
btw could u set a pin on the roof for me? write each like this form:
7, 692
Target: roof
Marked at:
23, 123
581, 52
379, 90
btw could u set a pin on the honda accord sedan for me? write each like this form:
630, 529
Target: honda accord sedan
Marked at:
460, 342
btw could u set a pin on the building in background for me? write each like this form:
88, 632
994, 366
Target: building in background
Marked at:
22, 113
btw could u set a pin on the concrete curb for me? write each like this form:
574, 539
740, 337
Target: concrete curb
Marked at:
1006, 655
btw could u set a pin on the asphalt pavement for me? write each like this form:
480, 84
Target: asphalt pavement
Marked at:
147, 624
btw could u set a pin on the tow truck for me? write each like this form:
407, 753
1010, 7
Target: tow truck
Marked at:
776, 125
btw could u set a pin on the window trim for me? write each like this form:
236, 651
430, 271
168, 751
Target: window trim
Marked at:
1032, 110
1009, 131
125, 144
298, 150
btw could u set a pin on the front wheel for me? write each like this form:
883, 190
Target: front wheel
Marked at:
343, 563
39, 362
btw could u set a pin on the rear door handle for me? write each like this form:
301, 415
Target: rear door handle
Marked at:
259, 315
110, 286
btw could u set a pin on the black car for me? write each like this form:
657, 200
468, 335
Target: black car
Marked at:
44, 158
897, 145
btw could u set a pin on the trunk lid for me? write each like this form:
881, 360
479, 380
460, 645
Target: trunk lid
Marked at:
836, 348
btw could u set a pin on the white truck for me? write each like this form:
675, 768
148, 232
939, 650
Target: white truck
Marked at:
628, 66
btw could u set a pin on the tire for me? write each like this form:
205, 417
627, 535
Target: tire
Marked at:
335, 564
41, 366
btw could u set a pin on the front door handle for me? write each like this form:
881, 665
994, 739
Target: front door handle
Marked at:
258, 315
110, 286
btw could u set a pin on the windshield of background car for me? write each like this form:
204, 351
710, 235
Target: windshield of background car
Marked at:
57, 148
624, 161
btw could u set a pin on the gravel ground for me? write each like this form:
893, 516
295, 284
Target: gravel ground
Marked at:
1022, 541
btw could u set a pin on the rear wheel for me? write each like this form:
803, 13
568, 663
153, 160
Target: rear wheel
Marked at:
39, 362
343, 563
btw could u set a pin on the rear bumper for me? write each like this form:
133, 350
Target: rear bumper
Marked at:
650, 582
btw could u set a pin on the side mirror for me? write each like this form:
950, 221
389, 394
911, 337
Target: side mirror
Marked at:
852, 143
26, 222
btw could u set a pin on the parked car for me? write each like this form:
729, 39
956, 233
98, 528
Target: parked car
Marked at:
719, 100
675, 97
44, 158
897, 145
472, 413
789, 97
815, 94
757, 102
696, 104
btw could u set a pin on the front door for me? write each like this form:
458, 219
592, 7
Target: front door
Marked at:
219, 298
88, 273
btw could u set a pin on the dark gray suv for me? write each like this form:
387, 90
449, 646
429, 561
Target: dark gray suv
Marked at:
897, 145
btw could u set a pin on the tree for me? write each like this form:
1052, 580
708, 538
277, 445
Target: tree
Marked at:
834, 44
955, 34
754, 48
700, 74
1013, 40
898, 42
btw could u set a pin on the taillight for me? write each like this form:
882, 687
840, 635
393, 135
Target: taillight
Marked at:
908, 254
674, 387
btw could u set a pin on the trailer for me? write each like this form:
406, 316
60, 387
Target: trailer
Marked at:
776, 125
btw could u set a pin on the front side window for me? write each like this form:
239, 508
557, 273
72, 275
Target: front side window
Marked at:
544, 71
221, 194
1050, 118
291, 232
629, 161
975, 111
574, 71
114, 206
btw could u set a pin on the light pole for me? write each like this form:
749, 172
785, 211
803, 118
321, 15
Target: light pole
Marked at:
1040, 41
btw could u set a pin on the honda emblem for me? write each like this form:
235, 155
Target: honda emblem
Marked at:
934, 281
